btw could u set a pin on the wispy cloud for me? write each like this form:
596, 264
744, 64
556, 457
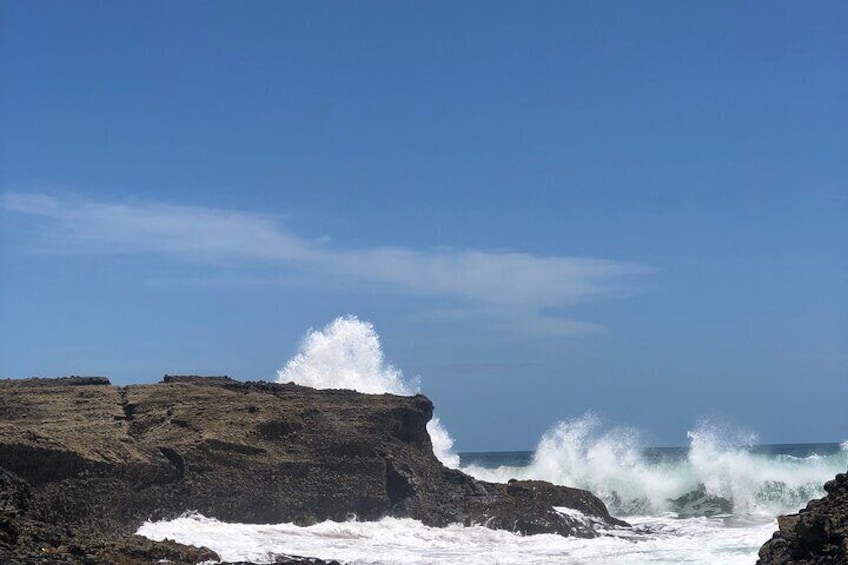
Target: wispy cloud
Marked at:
77, 225
517, 286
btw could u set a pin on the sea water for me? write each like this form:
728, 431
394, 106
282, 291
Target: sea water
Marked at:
638, 484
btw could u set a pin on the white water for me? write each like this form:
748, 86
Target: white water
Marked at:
578, 452
394, 541
612, 465
347, 354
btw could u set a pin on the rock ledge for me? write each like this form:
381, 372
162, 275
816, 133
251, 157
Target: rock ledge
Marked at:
83, 464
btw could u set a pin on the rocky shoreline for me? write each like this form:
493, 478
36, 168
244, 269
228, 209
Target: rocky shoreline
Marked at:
83, 464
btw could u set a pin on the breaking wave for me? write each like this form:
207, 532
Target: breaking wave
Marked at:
720, 472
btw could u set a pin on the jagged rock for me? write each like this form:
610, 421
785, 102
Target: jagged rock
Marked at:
818, 534
531, 507
100, 459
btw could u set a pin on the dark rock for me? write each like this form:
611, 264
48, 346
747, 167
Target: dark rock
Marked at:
63, 381
818, 534
100, 460
14, 503
699, 503
530, 507
198, 379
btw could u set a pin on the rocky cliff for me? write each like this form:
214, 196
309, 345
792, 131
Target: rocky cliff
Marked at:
817, 535
84, 463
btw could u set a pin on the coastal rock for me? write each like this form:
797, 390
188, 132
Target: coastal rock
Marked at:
817, 535
83, 461
700, 503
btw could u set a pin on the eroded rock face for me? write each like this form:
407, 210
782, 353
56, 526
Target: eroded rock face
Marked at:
818, 534
101, 459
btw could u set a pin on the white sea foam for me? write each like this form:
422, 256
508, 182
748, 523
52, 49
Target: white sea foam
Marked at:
391, 541
347, 354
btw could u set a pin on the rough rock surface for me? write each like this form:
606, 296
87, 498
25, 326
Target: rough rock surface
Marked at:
84, 463
816, 535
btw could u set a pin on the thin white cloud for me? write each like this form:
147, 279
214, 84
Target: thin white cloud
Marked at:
518, 285
505, 278
188, 231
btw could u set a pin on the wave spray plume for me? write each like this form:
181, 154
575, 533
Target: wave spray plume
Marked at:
346, 354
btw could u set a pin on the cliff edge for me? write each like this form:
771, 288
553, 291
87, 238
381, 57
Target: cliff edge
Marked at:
84, 463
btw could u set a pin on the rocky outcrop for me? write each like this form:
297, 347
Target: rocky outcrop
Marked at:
82, 458
700, 503
816, 535
25, 538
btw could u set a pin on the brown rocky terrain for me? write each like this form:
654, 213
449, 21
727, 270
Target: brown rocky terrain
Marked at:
817, 535
84, 463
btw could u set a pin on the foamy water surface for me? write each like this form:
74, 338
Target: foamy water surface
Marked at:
405, 542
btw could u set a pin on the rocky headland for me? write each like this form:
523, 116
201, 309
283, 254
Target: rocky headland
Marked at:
83, 464
817, 535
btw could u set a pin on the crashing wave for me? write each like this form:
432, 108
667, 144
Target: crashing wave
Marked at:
716, 475
347, 354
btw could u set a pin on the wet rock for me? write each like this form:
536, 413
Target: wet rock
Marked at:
818, 534
699, 503
534, 507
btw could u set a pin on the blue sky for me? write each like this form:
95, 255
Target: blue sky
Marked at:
638, 209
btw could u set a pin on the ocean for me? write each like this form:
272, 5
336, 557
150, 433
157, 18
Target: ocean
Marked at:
712, 502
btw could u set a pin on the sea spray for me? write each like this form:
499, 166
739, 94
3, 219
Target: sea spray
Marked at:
720, 463
609, 463
347, 354
442, 443
758, 484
